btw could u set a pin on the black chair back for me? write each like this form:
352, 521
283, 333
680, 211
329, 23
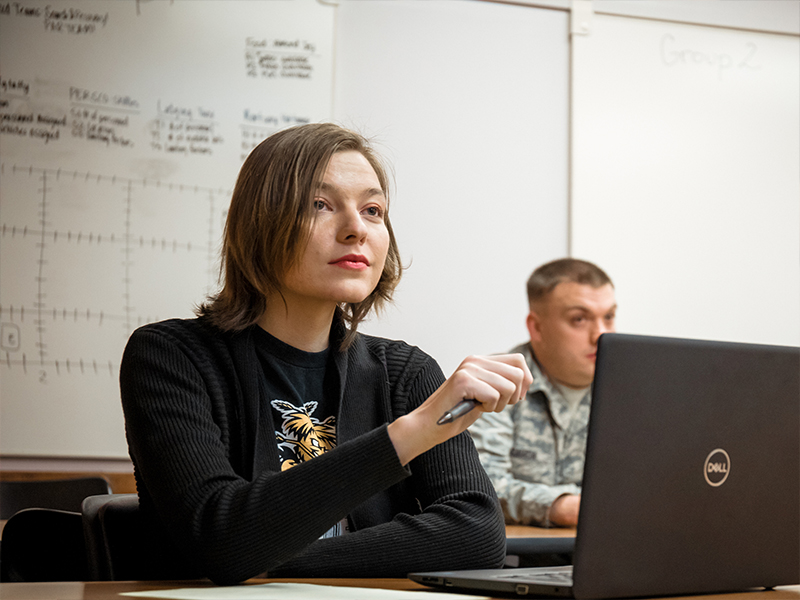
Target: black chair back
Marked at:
41, 544
59, 494
122, 545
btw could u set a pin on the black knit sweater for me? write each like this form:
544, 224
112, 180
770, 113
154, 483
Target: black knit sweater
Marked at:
202, 441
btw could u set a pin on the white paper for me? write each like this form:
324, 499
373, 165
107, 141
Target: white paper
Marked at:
294, 591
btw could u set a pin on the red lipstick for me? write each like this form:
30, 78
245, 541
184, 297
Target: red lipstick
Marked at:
351, 261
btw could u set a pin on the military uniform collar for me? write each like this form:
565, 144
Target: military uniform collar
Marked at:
559, 409
540, 381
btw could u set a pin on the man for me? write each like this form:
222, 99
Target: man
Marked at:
534, 451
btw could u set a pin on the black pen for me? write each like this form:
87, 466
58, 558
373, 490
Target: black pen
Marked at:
459, 410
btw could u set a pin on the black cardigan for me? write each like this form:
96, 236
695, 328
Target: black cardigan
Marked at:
202, 441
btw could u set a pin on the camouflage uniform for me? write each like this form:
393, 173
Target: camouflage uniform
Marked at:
531, 451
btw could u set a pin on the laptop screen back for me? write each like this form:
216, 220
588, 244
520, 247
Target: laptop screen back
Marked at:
692, 479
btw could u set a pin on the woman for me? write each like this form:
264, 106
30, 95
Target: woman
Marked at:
267, 435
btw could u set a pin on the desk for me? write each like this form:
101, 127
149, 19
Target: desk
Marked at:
109, 590
511, 531
518, 531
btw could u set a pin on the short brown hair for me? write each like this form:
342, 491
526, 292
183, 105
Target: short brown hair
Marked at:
270, 219
546, 277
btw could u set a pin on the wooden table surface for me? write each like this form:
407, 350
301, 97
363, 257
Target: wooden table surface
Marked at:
110, 590
528, 531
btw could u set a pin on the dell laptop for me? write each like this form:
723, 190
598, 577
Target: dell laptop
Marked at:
692, 476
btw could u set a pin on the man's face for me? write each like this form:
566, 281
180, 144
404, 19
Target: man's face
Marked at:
564, 327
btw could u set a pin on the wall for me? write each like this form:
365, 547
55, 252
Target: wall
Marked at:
470, 101
686, 176
513, 142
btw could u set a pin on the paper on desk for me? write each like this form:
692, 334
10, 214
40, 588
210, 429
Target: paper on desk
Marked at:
296, 591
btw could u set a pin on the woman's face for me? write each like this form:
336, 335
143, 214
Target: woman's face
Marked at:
347, 247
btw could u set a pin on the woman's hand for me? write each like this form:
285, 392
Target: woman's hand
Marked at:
494, 381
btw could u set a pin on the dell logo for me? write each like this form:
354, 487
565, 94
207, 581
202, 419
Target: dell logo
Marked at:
717, 467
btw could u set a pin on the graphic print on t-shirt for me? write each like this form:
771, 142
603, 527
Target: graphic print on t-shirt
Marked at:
301, 436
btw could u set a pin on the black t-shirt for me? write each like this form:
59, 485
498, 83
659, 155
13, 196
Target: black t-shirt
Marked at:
303, 396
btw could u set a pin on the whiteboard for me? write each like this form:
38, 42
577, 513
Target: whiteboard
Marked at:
470, 102
122, 128
686, 176
680, 158
467, 100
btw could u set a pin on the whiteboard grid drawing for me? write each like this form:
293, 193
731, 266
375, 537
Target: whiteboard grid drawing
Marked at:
122, 130
128, 257
63, 327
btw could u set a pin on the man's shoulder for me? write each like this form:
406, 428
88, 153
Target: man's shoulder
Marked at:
523, 348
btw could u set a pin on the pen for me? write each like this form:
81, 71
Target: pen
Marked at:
458, 410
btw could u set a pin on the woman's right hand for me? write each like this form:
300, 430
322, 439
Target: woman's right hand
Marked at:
494, 381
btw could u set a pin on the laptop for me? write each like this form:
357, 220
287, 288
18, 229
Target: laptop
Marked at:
692, 476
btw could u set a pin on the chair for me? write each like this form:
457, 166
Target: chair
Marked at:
41, 544
539, 551
121, 545
59, 494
